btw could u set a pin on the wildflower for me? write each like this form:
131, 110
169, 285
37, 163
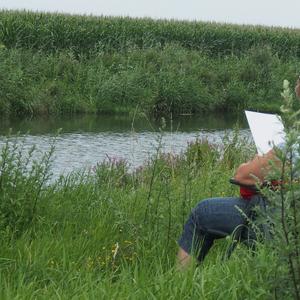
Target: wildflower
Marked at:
115, 250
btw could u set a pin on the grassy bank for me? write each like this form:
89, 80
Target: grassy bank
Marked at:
108, 233
171, 80
60, 64
111, 234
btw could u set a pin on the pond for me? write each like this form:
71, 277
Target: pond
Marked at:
86, 140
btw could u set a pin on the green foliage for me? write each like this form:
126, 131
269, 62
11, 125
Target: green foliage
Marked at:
87, 34
285, 200
112, 172
111, 232
60, 64
92, 237
172, 80
22, 181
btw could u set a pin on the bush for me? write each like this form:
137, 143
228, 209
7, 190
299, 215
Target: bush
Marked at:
22, 180
285, 206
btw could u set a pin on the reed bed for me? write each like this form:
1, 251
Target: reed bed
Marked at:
87, 34
173, 80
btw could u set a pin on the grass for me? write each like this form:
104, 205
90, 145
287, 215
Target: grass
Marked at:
111, 234
63, 64
171, 80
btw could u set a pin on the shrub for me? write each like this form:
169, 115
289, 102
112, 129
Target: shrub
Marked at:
22, 180
285, 203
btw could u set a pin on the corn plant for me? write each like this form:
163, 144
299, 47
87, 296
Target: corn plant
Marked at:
86, 34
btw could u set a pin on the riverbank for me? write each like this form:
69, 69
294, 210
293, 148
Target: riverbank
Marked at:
172, 80
110, 234
233, 68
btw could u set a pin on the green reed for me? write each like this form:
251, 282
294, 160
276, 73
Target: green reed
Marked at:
172, 80
63, 64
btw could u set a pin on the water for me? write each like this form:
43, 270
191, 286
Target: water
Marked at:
87, 140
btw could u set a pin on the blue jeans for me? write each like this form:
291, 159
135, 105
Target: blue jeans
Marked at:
211, 219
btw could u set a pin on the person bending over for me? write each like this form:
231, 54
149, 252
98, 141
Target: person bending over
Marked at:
216, 218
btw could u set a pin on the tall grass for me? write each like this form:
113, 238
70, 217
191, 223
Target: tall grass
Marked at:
90, 238
172, 80
86, 34
285, 203
58, 64
109, 233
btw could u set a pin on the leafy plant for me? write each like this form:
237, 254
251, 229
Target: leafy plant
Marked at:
285, 200
22, 180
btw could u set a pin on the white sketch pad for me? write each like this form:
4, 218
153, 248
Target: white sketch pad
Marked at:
267, 130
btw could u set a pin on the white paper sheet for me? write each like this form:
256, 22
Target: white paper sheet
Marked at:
267, 130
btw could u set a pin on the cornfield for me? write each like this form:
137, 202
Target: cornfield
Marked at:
88, 34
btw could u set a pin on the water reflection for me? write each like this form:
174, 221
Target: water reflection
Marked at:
86, 140
120, 123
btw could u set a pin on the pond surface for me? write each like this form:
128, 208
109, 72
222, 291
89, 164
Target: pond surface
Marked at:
87, 140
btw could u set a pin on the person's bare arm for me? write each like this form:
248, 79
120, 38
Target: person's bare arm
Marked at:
256, 169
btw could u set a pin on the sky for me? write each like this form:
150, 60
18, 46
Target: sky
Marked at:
256, 12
